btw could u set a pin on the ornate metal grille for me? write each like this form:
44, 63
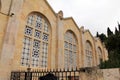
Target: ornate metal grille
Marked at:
36, 41
70, 51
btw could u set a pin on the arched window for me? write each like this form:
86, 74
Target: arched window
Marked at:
70, 50
36, 41
88, 54
99, 54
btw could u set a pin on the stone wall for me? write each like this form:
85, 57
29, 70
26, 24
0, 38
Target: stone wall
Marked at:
91, 74
100, 74
111, 74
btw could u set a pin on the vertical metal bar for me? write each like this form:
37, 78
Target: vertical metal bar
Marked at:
43, 73
58, 74
19, 75
74, 75
30, 75
66, 75
37, 75
54, 72
40, 74
70, 75
33, 75
25, 76
62, 74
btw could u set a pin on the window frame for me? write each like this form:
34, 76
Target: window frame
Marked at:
99, 51
88, 54
70, 62
33, 37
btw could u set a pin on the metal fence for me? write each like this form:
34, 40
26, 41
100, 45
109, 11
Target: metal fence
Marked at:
61, 74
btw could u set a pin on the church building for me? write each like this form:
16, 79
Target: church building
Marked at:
33, 35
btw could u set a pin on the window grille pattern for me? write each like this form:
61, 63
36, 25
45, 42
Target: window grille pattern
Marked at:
38, 22
35, 53
88, 54
30, 20
36, 40
26, 52
44, 55
28, 31
70, 50
46, 27
37, 34
45, 37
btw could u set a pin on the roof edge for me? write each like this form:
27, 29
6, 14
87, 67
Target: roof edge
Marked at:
87, 30
50, 7
68, 18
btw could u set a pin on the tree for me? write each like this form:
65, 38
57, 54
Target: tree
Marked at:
109, 32
119, 26
97, 34
116, 31
112, 43
102, 37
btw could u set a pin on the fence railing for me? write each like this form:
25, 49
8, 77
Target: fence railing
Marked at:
61, 74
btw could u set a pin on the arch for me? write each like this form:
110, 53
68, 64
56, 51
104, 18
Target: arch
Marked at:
42, 15
36, 44
88, 44
70, 49
74, 34
88, 53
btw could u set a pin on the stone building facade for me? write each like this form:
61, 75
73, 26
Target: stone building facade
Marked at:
33, 35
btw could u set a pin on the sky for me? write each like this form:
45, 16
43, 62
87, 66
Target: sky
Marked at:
95, 15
